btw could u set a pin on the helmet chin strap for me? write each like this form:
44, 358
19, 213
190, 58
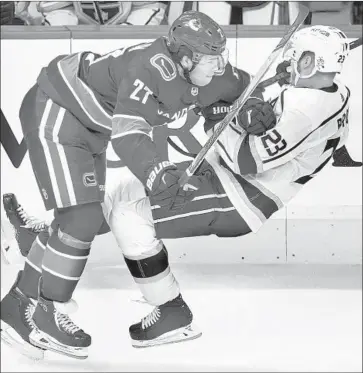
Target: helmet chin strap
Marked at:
187, 72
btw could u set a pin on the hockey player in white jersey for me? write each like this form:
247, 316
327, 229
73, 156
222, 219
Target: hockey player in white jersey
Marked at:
251, 173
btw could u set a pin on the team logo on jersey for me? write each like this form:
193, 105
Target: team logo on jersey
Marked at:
164, 65
89, 179
194, 91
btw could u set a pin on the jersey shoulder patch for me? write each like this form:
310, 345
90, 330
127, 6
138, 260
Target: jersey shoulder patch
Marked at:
164, 65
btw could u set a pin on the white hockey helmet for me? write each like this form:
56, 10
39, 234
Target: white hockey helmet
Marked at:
329, 45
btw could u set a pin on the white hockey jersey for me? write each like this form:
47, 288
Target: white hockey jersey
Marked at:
311, 125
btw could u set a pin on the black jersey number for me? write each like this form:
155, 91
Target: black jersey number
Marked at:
343, 120
273, 142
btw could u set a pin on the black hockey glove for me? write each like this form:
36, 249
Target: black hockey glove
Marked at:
163, 187
283, 67
256, 116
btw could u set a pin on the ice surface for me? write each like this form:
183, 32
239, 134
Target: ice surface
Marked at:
270, 318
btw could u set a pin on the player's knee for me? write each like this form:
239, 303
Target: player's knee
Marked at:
149, 263
152, 273
81, 222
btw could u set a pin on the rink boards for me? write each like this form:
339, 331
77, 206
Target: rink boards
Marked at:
323, 224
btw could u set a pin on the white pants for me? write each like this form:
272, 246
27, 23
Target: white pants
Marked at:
127, 211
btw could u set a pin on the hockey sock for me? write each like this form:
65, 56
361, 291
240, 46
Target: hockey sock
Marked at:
152, 273
68, 249
64, 261
29, 279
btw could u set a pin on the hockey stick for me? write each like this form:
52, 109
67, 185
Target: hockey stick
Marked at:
303, 13
352, 45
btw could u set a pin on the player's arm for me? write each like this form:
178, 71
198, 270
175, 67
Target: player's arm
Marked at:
275, 147
132, 122
134, 116
255, 142
234, 81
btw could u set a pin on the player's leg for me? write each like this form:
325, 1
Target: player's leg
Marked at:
147, 261
17, 307
77, 194
63, 263
65, 172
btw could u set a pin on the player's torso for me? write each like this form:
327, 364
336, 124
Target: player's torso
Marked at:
257, 197
327, 113
88, 84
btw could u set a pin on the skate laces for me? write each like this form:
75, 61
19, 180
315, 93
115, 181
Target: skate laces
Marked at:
29, 311
66, 323
151, 318
31, 222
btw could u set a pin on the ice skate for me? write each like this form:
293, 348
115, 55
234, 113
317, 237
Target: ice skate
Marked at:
16, 322
169, 323
25, 227
56, 332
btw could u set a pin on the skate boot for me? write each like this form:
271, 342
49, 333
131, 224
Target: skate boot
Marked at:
169, 323
55, 331
26, 227
16, 322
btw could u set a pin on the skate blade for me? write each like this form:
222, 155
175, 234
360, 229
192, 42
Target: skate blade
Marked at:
186, 333
17, 343
43, 340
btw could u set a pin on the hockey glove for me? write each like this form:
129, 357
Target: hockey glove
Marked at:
215, 113
163, 187
283, 67
256, 116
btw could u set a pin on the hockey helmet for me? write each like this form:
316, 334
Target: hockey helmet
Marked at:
328, 44
197, 35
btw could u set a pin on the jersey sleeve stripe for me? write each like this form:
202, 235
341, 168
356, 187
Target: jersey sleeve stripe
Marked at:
265, 191
68, 68
245, 158
193, 208
224, 150
130, 133
302, 140
126, 116
257, 197
235, 129
124, 125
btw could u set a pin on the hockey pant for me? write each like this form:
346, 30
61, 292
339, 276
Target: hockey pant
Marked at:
127, 211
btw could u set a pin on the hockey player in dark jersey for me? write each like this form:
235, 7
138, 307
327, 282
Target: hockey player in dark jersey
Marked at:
79, 104
254, 169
